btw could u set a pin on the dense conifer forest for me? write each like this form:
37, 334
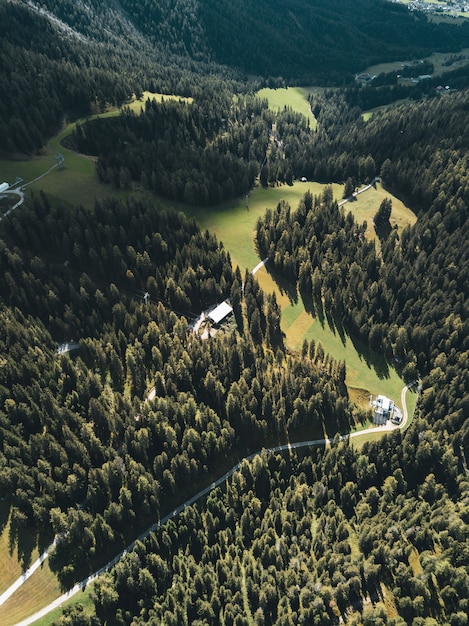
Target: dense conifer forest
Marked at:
98, 443
59, 62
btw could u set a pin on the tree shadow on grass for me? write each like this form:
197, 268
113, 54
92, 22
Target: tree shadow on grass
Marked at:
374, 359
24, 539
383, 230
285, 286
4, 515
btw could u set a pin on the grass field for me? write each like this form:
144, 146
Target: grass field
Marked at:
11, 561
32, 596
367, 204
83, 598
292, 97
234, 225
138, 105
437, 58
77, 181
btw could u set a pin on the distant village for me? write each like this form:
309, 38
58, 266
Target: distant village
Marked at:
449, 7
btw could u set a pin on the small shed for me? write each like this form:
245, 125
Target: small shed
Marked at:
4, 187
220, 312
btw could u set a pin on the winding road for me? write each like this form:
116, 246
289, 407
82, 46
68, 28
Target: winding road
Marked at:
281, 448
20, 191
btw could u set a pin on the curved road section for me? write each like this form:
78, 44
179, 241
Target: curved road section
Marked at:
282, 448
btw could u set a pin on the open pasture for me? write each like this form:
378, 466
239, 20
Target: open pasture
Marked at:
367, 204
234, 224
137, 105
440, 62
290, 97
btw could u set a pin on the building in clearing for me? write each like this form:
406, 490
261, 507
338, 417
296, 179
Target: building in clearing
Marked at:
220, 312
383, 410
4, 187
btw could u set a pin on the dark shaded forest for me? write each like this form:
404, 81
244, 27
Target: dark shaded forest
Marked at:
200, 153
82, 451
58, 62
321, 539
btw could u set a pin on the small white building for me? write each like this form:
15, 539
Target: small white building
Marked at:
383, 410
220, 312
4, 187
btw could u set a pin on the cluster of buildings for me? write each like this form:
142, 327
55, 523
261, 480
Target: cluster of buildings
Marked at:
449, 7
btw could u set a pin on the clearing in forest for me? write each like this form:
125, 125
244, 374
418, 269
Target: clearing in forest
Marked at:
234, 224
294, 98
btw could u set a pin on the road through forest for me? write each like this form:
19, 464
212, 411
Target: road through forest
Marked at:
281, 448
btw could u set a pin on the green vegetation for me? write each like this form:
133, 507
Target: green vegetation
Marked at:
79, 605
234, 225
32, 596
291, 97
138, 104
367, 530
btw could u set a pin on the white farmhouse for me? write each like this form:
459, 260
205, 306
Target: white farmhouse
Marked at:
383, 410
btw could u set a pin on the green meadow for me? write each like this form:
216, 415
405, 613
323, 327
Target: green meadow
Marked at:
35, 592
234, 224
294, 98
439, 60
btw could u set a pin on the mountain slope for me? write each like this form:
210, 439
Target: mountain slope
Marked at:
309, 40
62, 58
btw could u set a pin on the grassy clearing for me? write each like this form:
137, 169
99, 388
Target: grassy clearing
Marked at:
36, 593
10, 567
367, 204
365, 370
411, 402
234, 225
414, 562
139, 105
437, 58
369, 114
12, 562
83, 599
291, 97
359, 442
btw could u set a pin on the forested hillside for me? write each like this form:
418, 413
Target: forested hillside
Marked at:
99, 443
81, 450
58, 61
326, 539
200, 153
411, 300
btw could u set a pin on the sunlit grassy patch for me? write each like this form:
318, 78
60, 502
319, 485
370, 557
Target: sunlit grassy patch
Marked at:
294, 98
